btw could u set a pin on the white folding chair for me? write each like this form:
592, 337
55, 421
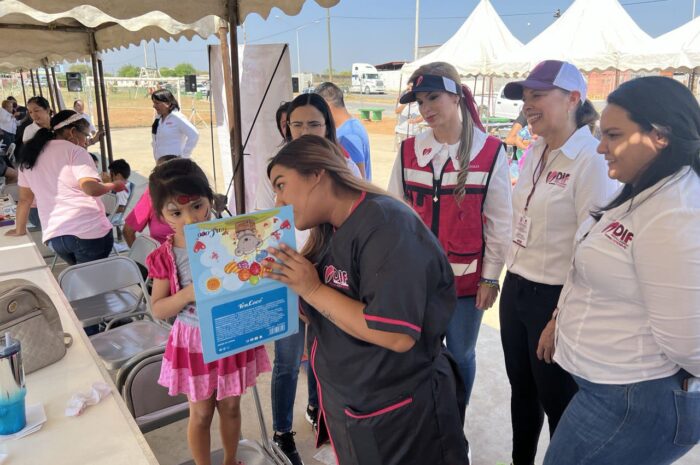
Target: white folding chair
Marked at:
142, 248
103, 289
112, 290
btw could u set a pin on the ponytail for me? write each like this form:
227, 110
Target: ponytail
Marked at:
465, 147
29, 154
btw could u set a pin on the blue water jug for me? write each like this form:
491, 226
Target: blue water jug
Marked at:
12, 391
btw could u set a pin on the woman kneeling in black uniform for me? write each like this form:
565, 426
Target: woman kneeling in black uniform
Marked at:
378, 292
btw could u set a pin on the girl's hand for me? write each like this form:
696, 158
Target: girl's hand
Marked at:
545, 348
188, 293
295, 271
486, 297
15, 232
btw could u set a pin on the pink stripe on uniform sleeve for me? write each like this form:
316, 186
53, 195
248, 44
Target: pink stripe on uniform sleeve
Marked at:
391, 321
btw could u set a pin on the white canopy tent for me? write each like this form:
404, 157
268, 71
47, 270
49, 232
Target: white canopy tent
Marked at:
481, 42
595, 35
108, 16
678, 49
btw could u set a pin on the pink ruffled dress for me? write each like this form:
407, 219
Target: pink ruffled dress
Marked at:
183, 370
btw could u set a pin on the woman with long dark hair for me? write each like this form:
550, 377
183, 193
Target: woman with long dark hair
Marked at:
57, 171
307, 114
388, 392
628, 326
172, 133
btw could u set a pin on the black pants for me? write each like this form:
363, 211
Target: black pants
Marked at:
536, 387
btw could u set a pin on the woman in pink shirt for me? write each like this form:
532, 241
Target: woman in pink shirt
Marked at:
143, 215
57, 171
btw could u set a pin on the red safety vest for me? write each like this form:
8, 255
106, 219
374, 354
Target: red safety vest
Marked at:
458, 226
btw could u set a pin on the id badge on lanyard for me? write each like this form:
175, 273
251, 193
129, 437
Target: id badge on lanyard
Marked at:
522, 230
522, 227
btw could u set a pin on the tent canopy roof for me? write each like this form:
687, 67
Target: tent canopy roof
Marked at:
476, 47
60, 30
592, 34
181, 11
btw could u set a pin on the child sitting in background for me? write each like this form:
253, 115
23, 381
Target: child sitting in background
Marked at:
119, 170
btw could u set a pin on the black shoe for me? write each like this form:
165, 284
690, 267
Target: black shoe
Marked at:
312, 417
285, 441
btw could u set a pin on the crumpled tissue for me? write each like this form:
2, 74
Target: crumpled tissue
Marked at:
81, 400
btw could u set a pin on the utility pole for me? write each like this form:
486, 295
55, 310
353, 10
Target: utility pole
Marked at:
145, 56
330, 53
415, 43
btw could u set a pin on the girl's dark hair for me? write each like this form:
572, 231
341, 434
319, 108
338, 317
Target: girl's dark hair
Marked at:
40, 102
310, 154
180, 176
667, 106
316, 101
283, 108
586, 115
163, 95
32, 149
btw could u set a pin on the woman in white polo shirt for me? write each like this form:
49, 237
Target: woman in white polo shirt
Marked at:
172, 133
628, 325
561, 181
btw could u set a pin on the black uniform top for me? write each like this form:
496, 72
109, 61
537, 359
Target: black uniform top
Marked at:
384, 256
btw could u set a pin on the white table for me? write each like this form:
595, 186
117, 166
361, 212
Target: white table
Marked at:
105, 434
18, 253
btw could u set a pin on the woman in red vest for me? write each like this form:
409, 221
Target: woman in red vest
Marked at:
456, 178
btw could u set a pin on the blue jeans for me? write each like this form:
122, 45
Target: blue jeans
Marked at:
285, 372
647, 423
461, 336
74, 250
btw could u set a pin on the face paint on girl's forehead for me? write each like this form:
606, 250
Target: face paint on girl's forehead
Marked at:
185, 199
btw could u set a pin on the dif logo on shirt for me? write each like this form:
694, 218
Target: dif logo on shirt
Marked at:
558, 178
618, 234
335, 277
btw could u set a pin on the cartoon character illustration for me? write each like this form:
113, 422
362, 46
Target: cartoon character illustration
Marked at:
234, 253
248, 238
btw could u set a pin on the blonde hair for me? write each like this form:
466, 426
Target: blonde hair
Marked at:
440, 68
308, 155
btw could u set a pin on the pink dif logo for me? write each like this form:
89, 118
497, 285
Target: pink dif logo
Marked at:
335, 277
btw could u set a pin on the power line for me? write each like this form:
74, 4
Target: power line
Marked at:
532, 13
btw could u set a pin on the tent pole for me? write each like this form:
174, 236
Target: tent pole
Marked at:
211, 118
48, 86
236, 141
483, 89
105, 111
56, 91
225, 59
38, 83
31, 76
100, 127
617, 78
24, 91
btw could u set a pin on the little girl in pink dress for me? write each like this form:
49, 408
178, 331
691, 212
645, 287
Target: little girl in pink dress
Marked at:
181, 195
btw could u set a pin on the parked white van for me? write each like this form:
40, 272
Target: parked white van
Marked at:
505, 108
365, 79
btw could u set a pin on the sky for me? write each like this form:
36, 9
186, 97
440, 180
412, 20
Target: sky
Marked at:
378, 31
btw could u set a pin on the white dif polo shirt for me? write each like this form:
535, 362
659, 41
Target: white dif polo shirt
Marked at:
574, 181
630, 309
175, 136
